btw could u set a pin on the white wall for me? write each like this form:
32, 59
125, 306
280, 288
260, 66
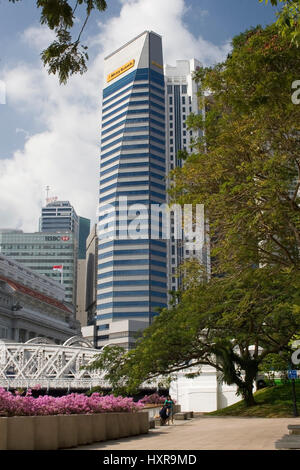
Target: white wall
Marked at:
204, 393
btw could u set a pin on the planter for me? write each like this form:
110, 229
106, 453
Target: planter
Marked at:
84, 425
99, 426
65, 431
113, 426
45, 432
144, 423
3, 433
20, 432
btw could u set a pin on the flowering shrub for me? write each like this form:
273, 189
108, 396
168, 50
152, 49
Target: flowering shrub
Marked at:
154, 399
75, 403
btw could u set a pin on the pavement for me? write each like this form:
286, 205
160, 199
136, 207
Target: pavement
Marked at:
205, 433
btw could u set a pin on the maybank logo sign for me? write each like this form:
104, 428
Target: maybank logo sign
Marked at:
120, 70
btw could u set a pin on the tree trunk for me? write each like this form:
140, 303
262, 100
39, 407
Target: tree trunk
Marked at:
247, 394
251, 370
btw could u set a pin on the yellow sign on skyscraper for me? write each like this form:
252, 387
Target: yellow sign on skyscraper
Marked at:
120, 70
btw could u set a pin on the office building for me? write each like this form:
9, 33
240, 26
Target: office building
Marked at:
181, 100
131, 272
84, 231
59, 216
50, 253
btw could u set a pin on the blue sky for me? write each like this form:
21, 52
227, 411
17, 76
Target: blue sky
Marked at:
50, 133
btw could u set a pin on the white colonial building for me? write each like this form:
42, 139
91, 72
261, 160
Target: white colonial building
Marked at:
33, 305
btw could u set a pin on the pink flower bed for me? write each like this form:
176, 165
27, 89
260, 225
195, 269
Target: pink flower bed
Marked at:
75, 403
154, 399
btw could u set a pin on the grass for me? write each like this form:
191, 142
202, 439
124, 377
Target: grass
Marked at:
272, 402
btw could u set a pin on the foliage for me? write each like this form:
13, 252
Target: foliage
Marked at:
154, 399
18, 405
65, 56
288, 18
230, 323
246, 170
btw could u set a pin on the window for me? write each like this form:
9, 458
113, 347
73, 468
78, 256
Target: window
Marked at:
183, 100
184, 89
169, 89
171, 133
170, 99
171, 109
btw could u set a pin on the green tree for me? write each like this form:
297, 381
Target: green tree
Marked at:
230, 323
246, 170
65, 56
288, 20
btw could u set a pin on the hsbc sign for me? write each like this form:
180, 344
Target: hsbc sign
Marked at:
57, 238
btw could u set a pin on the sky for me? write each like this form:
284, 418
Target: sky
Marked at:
50, 133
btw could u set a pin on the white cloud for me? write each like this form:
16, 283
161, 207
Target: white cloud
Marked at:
65, 155
38, 37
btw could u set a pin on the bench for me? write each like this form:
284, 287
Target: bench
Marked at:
288, 441
294, 429
291, 440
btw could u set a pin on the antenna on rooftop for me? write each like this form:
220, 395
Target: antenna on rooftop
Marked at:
47, 194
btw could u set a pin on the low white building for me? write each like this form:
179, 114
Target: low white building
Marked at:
204, 393
33, 305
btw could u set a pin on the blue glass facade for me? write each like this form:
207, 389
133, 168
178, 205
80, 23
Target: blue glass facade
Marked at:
132, 272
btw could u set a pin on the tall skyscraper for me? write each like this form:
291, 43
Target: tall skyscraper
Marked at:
181, 100
131, 272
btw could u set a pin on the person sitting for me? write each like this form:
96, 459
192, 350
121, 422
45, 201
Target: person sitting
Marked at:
164, 418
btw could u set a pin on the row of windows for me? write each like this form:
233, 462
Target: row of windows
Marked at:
132, 252
148, 137
117, 194
136, 293
106, 316
131, 175
128, 122
131, 242
128, 283
131, 104
183, 89
135, 86
132, 272
124, 156
128, 130
145, 146
146, 94
13, 246
131, 165
129, 112
121, 184
131, 262
130, 303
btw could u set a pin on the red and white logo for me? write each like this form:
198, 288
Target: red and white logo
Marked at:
65, 238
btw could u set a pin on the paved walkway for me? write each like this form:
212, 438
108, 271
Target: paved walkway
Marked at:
206, 433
